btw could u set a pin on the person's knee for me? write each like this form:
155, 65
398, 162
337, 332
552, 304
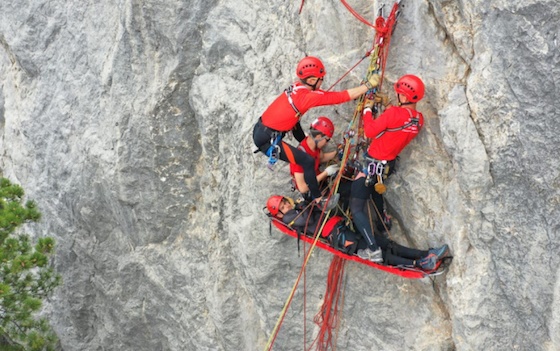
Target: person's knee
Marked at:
359, 190
356, 205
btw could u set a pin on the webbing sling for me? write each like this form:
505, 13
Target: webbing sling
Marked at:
289, 92
414, 121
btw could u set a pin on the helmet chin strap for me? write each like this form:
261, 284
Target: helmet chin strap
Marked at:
317, 142
403, 103
313, 86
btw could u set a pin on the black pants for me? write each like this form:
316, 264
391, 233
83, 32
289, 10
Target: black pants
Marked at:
398, 255
360, 212
262, 136
338, 237
359, 196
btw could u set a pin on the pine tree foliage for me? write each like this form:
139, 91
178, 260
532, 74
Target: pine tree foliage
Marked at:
26, 278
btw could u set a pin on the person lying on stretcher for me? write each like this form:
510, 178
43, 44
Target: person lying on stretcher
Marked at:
306, 219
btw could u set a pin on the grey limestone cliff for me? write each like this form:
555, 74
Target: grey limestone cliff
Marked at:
130, 124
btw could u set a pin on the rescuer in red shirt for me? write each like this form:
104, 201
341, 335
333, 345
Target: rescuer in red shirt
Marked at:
320, 133
284, 113
389, 134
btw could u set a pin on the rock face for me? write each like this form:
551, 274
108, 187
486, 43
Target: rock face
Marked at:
130, 123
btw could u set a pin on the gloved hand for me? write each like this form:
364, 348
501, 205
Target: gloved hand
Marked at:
369, 104
332, 169
373, 81
382, 98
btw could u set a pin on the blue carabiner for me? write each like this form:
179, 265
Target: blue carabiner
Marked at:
273, 151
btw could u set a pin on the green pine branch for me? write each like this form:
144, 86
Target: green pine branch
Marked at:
26, 276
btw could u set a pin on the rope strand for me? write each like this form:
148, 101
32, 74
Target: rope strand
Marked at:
327, 318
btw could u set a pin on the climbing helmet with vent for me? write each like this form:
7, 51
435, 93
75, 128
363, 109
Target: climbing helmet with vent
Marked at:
323, 125
410, 86
310, 66
273, 204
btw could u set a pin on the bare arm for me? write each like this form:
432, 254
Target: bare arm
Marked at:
300, 182
357, 91
302, 185
327, 156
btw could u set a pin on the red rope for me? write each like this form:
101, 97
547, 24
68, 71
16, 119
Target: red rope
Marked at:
301, 272
356, 14
384, 28
301, 7
351, 69
304, 297
327, 318
383, 31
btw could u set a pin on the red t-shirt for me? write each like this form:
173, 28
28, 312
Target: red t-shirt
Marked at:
316, 154
390, 144
281, 116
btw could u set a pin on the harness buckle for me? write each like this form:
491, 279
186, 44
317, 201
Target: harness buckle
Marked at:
274, 150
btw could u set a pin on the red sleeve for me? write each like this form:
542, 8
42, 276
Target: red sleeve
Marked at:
295, 168
312, 98
372, 127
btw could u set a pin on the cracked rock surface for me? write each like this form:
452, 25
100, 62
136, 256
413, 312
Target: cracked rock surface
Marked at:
130, 124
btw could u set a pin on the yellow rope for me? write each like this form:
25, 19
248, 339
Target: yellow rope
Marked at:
373, 66
287, 303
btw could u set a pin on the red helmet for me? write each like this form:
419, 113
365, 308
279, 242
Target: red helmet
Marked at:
410, 86
310, 67
273, 204
324, 125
